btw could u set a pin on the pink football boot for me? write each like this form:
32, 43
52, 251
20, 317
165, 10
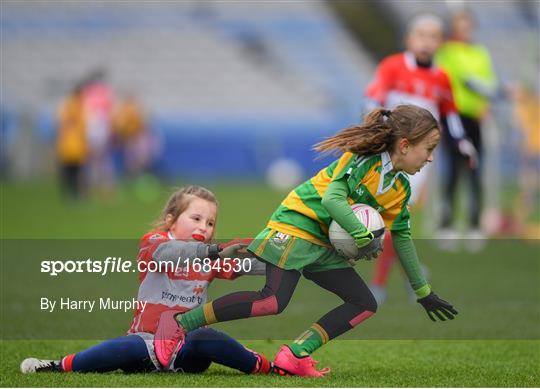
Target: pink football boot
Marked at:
169, 339
286, 363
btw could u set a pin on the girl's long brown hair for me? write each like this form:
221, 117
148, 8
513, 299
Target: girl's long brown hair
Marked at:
380, 130
178, 203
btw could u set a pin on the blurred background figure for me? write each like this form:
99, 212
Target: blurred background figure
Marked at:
473, 84
8, 127
526, 109
98, 105
132, 135
72, 144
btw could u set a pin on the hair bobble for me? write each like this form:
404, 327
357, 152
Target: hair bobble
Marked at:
385, 114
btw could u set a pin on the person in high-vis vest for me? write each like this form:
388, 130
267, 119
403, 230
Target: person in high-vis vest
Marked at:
473, 81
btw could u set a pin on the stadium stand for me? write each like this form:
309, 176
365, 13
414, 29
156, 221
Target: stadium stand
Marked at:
249, 82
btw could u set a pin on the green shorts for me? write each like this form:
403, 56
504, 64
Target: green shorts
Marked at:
293, 253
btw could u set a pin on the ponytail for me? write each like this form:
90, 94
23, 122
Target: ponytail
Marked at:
380, 130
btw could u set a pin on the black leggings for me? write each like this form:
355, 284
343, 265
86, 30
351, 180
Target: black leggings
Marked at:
358, 302
457, 166
72, 180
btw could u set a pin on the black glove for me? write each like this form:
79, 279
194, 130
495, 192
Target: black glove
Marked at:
436, 306
374, 247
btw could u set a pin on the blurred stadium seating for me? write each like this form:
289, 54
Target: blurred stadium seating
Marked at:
231, 86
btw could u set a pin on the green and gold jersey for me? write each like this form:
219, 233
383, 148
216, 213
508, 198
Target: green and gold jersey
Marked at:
370, 180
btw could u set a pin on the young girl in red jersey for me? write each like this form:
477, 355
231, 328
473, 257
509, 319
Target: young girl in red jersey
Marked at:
184, 231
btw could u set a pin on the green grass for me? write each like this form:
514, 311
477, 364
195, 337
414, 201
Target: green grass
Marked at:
353, 364
36, 210
493, 342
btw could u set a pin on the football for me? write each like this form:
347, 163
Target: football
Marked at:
344, 243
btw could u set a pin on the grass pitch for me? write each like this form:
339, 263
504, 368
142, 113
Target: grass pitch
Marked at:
354, 363
493, 342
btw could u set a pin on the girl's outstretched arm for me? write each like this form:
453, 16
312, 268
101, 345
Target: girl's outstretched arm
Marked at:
406, 251
172, 250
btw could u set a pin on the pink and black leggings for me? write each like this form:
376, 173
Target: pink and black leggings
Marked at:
358, 302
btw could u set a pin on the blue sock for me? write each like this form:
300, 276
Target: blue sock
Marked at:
128, 353
205, 345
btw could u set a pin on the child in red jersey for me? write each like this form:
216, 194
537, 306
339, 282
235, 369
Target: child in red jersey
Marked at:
183, 233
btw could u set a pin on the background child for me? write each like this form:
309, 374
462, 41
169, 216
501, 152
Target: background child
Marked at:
526, 112
185, 230
377, 156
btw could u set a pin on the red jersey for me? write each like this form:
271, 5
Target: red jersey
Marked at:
399, 80
172, 290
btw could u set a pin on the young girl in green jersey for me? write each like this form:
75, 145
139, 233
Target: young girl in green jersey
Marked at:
376, 158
